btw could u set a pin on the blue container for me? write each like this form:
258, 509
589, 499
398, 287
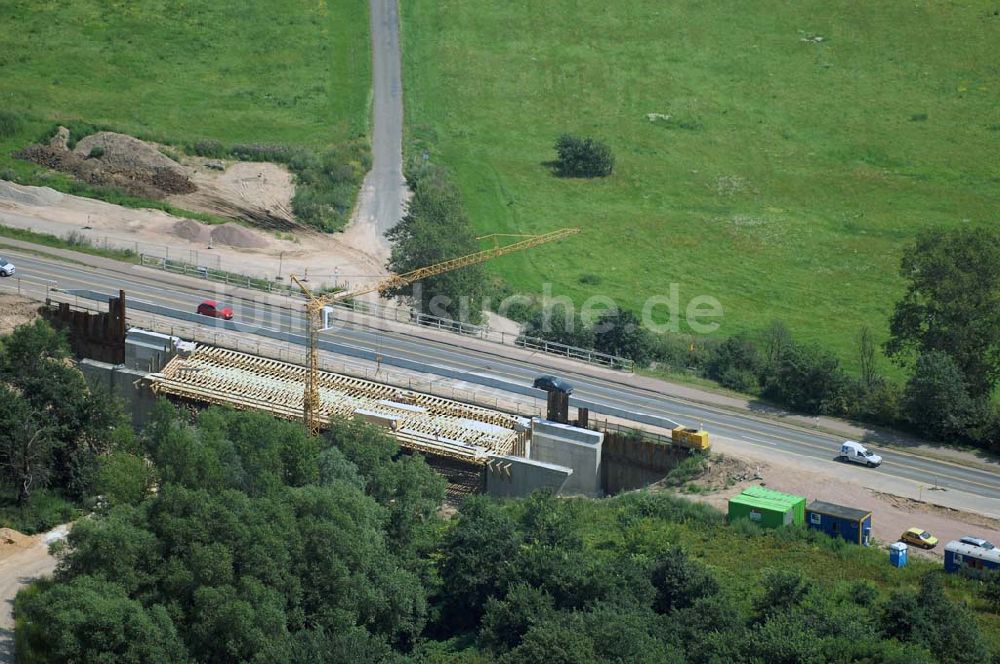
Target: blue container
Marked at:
897, 554
969, 558
849, 523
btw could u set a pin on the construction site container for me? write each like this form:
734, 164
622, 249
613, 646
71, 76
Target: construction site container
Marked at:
696, 439
762, 511
796, 503
849, 523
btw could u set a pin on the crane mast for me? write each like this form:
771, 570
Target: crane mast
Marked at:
315, 303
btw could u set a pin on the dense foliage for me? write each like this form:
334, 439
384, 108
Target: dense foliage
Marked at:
435, 229
261, 543
56, 430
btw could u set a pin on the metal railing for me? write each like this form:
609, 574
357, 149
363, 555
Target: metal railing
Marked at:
405, 315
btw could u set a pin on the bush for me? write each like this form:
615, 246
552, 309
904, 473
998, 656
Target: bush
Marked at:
208, 148
46, 510
10, 124
583, 157
736, 363
96, 152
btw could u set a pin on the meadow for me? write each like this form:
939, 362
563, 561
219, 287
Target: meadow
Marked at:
777, 157
292, 73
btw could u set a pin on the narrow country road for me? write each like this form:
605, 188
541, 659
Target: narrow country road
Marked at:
383, 194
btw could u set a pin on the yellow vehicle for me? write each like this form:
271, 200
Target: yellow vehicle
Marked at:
696, 439
919, 537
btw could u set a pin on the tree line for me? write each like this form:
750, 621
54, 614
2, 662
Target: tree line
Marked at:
944, 332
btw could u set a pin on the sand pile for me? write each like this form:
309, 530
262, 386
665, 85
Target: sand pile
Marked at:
191, 230
9, 537
36, 196
235, 235
15, 311
231, 235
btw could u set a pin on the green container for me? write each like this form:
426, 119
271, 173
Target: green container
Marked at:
762, 511
797, 503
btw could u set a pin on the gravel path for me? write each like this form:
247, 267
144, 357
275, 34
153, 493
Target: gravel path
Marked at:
384, 193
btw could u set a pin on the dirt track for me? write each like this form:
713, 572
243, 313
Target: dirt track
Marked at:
21, 561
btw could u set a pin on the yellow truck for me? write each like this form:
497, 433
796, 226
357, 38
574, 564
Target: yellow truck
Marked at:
696, 439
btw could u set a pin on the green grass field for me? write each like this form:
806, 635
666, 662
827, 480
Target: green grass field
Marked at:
295, 73
806, 144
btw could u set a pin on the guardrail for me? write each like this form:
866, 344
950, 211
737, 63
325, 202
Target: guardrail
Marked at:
292, 348
396, 314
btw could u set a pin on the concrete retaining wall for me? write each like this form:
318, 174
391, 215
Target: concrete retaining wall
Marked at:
122, 383
516, 477
570, 447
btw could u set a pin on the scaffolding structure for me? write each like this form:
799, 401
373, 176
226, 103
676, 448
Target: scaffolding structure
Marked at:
420, 422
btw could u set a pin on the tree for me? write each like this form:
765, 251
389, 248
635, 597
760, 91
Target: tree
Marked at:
579, 157
506, 621
680, 582
553, 324
25, 446
479, 553
89, 620
435, 229
935, 398
736, 364
619, 332
806, 378
867, 359
952, 303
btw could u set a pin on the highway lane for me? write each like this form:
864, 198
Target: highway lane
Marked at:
783, 437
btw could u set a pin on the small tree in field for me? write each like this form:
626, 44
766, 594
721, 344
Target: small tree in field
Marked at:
583, 157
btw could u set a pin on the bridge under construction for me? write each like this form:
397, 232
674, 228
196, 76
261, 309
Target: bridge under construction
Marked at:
420, 422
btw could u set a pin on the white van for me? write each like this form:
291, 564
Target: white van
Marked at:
857, 453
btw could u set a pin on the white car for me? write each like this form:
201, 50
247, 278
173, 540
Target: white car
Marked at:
857, 453
6, 268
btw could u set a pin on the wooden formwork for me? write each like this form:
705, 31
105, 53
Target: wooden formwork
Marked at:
421, 422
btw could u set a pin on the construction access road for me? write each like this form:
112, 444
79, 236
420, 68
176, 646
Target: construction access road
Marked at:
969, 485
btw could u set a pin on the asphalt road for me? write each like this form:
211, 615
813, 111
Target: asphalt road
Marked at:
383, 192
783, 438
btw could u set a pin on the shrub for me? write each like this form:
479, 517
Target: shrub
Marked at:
736, 363
583, 157
621, 333
10, 124
208, 148
96, 152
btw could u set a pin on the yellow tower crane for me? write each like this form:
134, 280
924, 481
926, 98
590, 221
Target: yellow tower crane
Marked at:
315, 303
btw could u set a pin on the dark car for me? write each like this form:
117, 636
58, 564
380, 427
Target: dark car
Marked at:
215, 310
552, 384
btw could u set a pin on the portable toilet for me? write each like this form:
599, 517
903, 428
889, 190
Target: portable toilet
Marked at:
797, 504
762, 511
849, 523
897, 554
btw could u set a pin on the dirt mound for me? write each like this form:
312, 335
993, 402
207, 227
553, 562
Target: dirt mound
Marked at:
36, 196
110, 159
127, 156
237, 236
191, 230
15, 311
9, 537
